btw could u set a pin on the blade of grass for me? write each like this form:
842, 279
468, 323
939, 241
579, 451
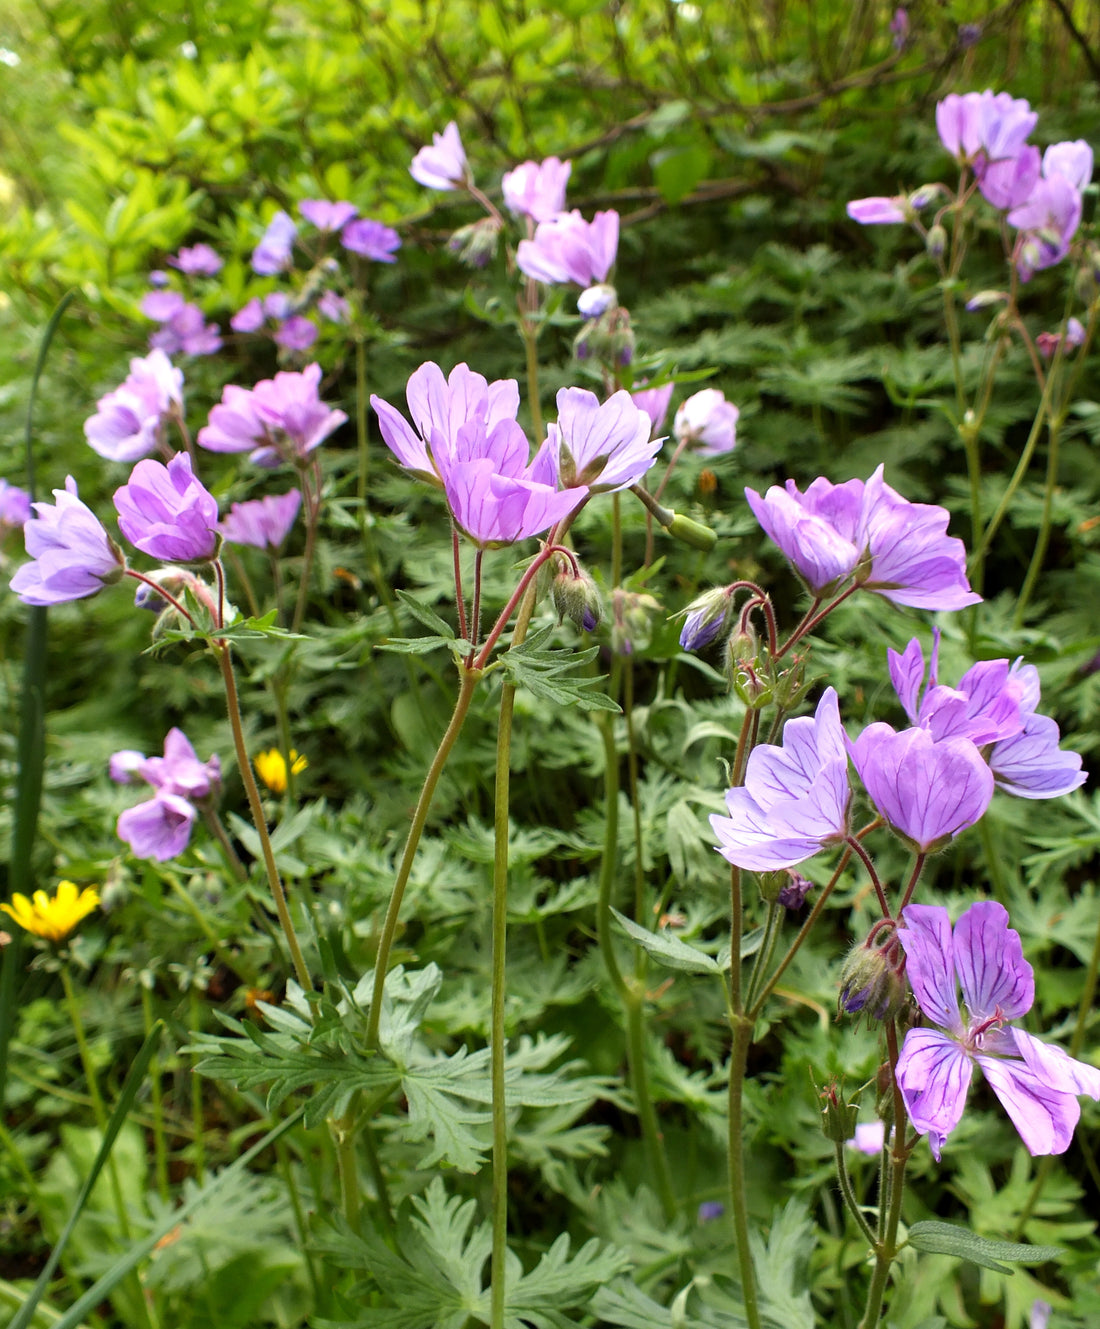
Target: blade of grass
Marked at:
31, 749
132, 1084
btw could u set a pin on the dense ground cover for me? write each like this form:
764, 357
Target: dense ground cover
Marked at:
290, 1144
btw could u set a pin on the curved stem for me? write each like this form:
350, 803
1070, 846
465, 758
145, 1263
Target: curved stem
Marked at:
469, 680
854, 844
225, 663
850, 1201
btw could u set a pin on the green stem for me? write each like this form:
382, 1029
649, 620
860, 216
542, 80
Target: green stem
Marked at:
311, 502
343, 1137
659, 1172
530, 346
218, 831
899, 1157
497, 1033
1041, 542
849, 1195
225, 662
469, 680
198, 1121
98, 1110
160, 1143
742, 1028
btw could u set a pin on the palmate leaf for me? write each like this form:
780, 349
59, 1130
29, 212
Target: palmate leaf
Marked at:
546, 673
437, 1276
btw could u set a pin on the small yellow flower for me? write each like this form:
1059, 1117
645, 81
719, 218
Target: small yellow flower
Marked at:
53, 918
271, 768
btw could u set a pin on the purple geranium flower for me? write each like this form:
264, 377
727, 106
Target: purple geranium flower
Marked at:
1009, 182
495, 509
325, 215
878, 211
1037, 1083
795, 798
1047, 222
928, 791
605, 446
1071, 160
537, 189
297, 333
197, 261
439, 407
166, 513
263, 522
180, 772
983, 127
159, 828
372, 239
15, 507
993, 705
284, 413
273, 253
187, 332
899, 549
73, 556
654, 401
708, 421
442, 165
567, 248
128, 422
124, 766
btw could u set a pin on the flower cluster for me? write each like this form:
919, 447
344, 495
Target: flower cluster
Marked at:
1040, 193
280, 419
160, 828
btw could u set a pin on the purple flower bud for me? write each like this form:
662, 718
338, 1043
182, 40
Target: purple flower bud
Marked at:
158, 278
793, 895
73, 556
969, 34
708, 422
124, 766
706, 617
442, 165
899, 26
879, 211
166, 513
372, 239
596, 300
711, 1209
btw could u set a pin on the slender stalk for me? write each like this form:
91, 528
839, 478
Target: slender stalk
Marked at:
530, 345
160, 1143
899, 1157
850, 1201
225, 662
198, 1119
311, 502
378, 1177
343, 1137
218, 831
1043, 538
497, 1031
742, 1028
469, 680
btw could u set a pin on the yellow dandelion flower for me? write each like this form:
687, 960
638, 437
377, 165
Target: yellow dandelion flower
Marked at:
271, 768
53, 917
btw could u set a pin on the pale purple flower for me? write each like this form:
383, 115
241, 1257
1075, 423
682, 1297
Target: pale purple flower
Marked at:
158, 278
710, 1210
567, 248
262, 522
298, 333
73, 556
439, 407
180, 771
983, 127
1009, 182
707, 421
496, 509
15, 507
869, 1138
604, 446
1037, 1083
442, 165
197, 261
795, 798
596, 301
537, 189
654, 401
927, 790
276, 245
160, 306
166, 513
1048, 221
325, 215
1039, 1316
159, 828
879, 211
993, 705
969, 34
901, 549
1070, 159
125, 765
187, 332
372, 239
285, 414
